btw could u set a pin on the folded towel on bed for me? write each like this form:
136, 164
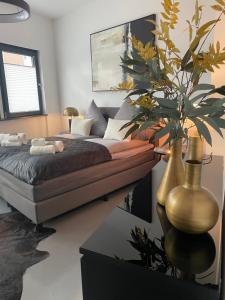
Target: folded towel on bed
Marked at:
6, 143
4, 136
42, 150
38, 142
23, 137
59, 146
18, 138
41, 143
13, 138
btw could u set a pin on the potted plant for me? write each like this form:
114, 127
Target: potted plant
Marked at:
176, 96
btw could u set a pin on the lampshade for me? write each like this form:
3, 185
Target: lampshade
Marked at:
12, 11
71, 112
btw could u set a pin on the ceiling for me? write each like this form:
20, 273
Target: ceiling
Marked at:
54, 8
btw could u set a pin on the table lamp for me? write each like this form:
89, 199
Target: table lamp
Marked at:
70, 112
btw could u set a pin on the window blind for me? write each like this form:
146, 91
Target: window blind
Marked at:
21, 82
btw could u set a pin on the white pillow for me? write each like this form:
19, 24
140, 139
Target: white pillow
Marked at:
81, 126
113, 131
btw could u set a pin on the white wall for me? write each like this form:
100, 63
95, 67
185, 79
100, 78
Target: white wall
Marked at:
73, 44
36, 33
218, 79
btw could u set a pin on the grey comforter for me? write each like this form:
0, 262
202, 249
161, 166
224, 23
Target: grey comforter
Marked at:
77, 155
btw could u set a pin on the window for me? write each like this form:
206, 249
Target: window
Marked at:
20, 82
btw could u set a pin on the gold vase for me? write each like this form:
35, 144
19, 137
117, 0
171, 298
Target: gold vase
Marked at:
174, 173
195, 148
191, 208
165, 224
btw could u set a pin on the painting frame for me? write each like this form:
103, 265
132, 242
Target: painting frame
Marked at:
149, 26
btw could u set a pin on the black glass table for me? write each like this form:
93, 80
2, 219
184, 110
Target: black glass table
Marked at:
137, 254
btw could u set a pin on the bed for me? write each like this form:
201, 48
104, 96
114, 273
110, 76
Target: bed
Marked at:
41, 201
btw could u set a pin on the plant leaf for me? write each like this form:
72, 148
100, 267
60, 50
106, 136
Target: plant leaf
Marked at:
163, 131
203, 111
190, 30
131, 130
192, 48
130, 61
167, 113
203, 87
203, 28
219, 102
138, 92
198, 97
166, 103
136, 75
189, 67
221, 2
126, 125
217, 7
220, 122
138, 117
213, 124
220, 90
146, 125
202, 130
188, 54
169, 139
187, 105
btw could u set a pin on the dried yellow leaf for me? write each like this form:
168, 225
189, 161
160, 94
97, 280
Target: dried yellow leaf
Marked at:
146, 52
126, 85
145, 101
221, 2
165, 16
217, 7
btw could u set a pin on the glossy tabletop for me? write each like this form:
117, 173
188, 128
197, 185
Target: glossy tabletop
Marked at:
139, 233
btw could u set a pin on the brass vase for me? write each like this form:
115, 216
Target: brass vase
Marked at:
189, 207
165, 224
195, 148
174, 173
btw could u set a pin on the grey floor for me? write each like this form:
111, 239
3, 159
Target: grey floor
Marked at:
58, 277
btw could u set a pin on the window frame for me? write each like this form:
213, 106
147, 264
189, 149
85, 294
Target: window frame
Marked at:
4, 93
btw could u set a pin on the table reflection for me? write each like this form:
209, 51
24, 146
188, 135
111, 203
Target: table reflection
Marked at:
176, 254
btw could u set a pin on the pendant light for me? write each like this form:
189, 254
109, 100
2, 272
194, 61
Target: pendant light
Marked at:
13, 11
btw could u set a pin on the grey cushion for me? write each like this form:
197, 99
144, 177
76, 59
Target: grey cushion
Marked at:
109, 112
126, 112
100, 124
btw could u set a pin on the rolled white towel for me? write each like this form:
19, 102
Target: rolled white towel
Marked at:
42, 150
38, 142
6, 143
4, 136
23, 138
59, 146
13, 138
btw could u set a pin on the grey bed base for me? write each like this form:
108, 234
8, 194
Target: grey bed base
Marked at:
42, 211
40, 204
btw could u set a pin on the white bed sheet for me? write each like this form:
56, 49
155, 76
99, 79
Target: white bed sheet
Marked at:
118, 149
74, 136
115, 146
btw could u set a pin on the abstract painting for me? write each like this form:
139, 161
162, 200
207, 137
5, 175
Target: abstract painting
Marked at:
107, 48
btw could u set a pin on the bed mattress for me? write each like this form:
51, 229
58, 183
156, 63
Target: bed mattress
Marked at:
34, 169
115, 146
71, 181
